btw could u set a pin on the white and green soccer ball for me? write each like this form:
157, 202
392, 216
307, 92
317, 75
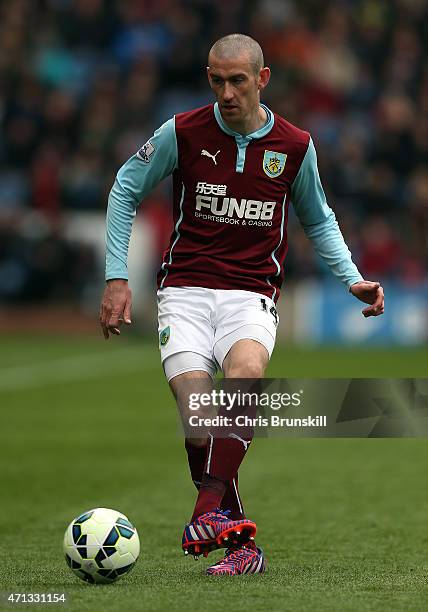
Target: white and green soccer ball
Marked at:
101, 545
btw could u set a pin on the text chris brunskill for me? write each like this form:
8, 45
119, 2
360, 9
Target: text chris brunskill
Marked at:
245, 421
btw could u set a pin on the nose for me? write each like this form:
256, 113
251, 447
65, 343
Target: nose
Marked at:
227, 92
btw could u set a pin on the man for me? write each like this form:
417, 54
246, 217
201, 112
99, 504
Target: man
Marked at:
235, 166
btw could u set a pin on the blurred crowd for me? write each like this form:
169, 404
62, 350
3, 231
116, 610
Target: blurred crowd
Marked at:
83, 84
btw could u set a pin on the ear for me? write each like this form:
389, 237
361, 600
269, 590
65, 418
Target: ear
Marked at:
264, 77
209, 76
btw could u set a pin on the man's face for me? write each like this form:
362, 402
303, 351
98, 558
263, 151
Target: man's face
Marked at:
236, 87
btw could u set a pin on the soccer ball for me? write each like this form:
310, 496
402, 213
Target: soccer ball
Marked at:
101, 545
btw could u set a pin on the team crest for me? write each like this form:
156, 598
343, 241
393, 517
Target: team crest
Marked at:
274, 163
164, 336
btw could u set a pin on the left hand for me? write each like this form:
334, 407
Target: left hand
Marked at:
371, 293
115, 307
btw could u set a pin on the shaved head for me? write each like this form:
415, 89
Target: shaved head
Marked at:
233, 45
237, 75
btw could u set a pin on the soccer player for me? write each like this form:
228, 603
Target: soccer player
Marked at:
236, 166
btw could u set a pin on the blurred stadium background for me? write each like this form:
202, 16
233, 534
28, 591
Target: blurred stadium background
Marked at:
83, 83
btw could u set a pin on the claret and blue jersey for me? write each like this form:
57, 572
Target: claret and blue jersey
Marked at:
231, 198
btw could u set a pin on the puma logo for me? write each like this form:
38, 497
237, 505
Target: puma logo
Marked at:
245, 443
213, 157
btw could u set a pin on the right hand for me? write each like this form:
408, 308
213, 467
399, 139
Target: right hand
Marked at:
115, 307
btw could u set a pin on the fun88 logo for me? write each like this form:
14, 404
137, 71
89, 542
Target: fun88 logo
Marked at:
230, 207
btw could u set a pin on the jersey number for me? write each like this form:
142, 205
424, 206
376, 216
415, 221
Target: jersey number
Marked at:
272, 310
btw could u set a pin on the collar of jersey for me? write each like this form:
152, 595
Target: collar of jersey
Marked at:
265, 129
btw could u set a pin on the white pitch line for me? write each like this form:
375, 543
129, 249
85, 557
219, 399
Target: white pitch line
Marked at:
76, 368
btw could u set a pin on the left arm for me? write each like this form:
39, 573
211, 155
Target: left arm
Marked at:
320, 226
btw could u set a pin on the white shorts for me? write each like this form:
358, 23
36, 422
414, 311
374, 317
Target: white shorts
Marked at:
207, 323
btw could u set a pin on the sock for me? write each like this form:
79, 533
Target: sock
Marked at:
225, 452
232, 500
211, 492
225, 455
196, 456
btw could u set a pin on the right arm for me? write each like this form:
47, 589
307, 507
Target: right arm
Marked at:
135, 179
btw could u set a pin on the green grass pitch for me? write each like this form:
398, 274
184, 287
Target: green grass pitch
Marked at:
87, 423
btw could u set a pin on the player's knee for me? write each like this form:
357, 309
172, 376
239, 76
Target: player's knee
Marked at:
249, 369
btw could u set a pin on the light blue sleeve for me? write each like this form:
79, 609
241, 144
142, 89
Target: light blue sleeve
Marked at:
136, 178
319, 221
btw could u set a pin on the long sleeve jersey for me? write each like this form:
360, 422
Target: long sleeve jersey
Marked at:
231, 195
